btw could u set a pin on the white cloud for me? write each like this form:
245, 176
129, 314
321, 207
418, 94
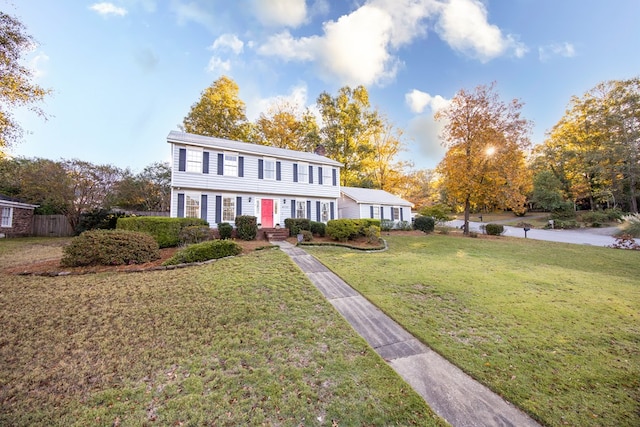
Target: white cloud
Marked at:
297, 96
228, 41
285, 46
287, 13
218, 66
37, 64
464, 25
193, 12
106, 9
418, 101
566, 50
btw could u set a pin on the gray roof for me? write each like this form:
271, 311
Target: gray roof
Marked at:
373, 197
245, 147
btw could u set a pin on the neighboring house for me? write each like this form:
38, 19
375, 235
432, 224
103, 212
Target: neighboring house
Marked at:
217, 180
360, 203
16, 218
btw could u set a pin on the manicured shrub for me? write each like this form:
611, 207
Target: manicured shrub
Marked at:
373, 234
247, 227
425, 224
318, 228
195, 234
110, 247
386, 224
599, 218
225, 229
296, 225
566, 224
342, 229
307, 236
165, 230
494, 229
363, 225
404, 226
205, 251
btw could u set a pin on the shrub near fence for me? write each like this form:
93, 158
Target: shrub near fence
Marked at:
165, 230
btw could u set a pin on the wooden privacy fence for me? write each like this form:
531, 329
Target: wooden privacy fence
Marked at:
51, 226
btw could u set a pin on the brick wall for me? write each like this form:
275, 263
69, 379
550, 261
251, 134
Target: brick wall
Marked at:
22, 224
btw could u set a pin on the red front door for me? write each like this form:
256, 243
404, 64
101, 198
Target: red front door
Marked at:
266, 214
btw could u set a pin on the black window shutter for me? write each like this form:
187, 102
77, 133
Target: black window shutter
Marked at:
320, 175
205, 162
238, 206
295, 172
180, 205
203, 207
335, 177
278, 171
218, 209
401, 215
310, 174
241, 166
182, 160
293, 208
331, 206
371, 211
260, 169
220, 164
381, 212
318, 211
392, 218
309, 209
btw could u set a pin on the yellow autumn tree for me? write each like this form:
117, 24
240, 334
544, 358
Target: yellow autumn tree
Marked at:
284, 125
486, 142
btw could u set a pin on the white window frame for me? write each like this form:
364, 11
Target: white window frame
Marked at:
396, 213
327, 176
228, 208
230, 161
303, 173
269, 168
376, 212
325, 211
194, 160
6, 213
301, 213
192, 205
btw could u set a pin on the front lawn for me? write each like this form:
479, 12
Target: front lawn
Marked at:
242, 341
554, 328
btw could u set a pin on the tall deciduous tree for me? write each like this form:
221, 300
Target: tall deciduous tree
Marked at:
594, 149
16, 81
347, 127
485, 161
383, 168
219, 112
285, 126
149, 190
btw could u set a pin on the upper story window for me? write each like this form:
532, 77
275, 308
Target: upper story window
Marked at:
6, 217
230, 164
194, 160
303, 172
269, 169
327, 177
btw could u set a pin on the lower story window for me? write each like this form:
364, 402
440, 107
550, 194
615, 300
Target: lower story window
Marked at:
228, 209
192, 206
396, 214
376, 212
324, 209
300, 209
6, 217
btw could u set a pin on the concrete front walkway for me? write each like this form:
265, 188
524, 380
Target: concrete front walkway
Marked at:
451, 393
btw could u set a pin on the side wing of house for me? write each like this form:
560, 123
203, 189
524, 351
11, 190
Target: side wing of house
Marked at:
16, 219
218, 180
360, 203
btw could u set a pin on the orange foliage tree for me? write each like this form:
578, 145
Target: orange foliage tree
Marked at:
485, 162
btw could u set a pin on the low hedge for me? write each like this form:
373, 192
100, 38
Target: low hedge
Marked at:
205, 251
296, 225
342, 229
165, 230
247, 227
425, 224
318, 228
110, 247
494, 229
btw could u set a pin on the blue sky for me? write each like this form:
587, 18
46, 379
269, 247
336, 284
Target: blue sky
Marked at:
124, 73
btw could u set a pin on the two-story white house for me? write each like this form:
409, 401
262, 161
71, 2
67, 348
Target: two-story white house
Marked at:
217, 179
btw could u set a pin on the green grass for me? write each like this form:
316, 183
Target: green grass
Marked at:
242, 341
554, 328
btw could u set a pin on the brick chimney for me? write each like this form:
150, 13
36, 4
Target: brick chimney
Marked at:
320, 150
